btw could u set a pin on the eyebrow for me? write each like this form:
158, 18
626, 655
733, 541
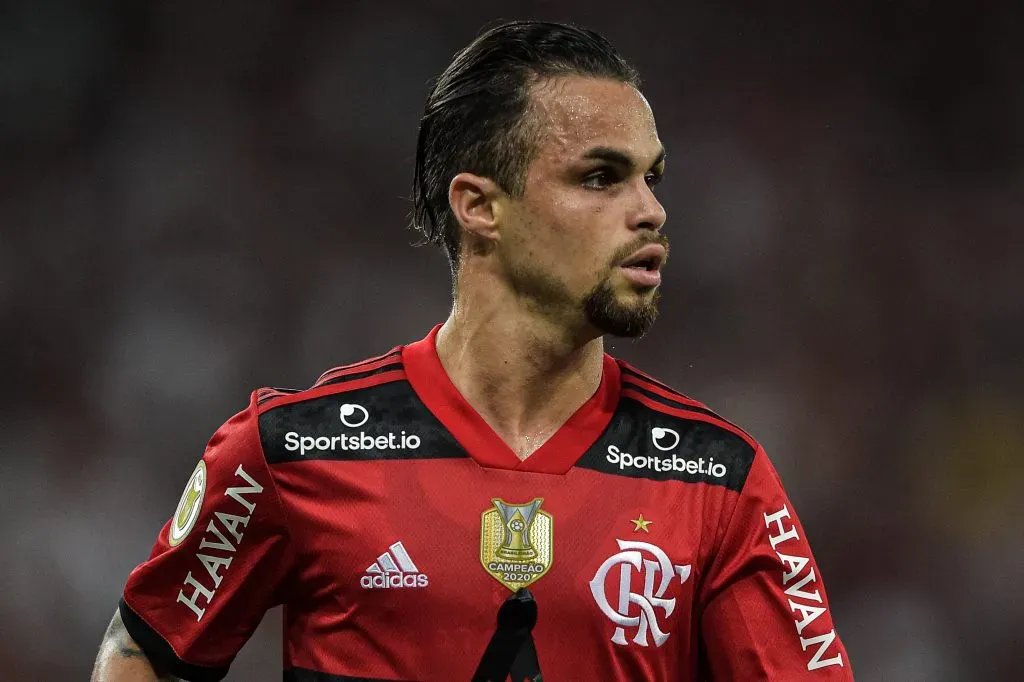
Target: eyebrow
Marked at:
619, 157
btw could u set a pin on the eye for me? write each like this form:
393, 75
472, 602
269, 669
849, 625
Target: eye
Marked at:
600, 178
652, 179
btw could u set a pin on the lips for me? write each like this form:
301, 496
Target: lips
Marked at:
643, 267
650, 258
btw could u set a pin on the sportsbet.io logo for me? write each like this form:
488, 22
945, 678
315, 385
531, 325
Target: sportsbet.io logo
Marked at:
701, 465
664, 439
189, 506
352, 416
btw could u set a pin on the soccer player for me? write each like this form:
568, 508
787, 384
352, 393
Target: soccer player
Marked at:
500, 498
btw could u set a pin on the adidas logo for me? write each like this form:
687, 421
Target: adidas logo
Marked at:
393, 568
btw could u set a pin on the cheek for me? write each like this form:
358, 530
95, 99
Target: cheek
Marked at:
586, 227
572, 235
566, 233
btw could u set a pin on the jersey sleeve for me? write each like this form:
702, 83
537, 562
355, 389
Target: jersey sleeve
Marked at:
218, 564
764, 610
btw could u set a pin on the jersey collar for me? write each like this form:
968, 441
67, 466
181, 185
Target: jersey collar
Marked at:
432, 384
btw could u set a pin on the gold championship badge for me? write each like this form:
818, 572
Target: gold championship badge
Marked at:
189, 506
516, 542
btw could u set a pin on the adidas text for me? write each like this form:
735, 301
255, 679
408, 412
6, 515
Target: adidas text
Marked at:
371, 582
393, 569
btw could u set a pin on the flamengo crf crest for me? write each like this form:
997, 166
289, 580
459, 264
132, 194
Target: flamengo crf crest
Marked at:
516, 542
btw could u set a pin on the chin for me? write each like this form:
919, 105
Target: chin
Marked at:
628, 314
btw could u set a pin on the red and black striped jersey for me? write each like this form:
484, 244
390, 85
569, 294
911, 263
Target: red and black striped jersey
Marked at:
392, 523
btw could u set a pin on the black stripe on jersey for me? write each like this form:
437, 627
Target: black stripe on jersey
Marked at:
670, 402
381, 422
304, 675
677, 404
390, 354
633, 372
390, 367
160, 652
687, 450
266, 394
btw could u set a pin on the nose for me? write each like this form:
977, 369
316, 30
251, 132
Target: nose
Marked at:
650, 214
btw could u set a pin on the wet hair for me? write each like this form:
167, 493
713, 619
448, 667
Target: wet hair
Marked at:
477, 117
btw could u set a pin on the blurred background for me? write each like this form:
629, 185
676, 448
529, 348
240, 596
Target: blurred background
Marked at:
197, 199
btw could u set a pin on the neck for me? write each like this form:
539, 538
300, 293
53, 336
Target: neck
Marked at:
524, 374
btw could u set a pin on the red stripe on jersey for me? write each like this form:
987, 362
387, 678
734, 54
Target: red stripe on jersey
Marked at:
687, 414
397, 374
636, 370
361, 366
265, 394
628, 380
360, 369
651, 384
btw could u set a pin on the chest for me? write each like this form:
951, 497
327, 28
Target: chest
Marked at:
402, 558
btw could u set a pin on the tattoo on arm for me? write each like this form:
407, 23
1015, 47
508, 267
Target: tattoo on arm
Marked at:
125, 647
129, 651
117, 635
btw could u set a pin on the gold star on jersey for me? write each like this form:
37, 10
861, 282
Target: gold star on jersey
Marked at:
641, 524
516, 542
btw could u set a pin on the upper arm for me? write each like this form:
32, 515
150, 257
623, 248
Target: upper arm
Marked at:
120, 658
765, 614
218, 564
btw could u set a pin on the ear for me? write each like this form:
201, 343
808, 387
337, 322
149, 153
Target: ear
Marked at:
474, 201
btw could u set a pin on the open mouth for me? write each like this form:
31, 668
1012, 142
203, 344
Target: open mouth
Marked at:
649, 258
643, 268
648, 264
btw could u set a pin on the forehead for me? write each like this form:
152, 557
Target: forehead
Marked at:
577, 113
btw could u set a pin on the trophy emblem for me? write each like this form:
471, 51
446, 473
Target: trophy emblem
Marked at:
517, 520
516, 542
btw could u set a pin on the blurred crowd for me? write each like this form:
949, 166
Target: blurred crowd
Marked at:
198, 199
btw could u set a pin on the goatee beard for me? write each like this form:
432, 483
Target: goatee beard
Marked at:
604, 311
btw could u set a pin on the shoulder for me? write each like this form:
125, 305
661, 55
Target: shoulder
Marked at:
659, 397
673, 422
240, 453
357, 412
375, 371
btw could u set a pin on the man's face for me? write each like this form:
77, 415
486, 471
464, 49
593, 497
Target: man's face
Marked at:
583, 244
